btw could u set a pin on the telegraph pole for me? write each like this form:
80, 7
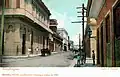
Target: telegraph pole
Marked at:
83, 24
2, 31
83, 21
79, 42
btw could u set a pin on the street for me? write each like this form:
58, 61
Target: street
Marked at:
63, 59
55, 60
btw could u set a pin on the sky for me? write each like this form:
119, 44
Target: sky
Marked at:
65, 12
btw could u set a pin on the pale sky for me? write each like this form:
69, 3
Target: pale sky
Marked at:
65, 12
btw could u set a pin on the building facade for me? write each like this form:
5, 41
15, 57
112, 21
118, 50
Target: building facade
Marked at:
56, 43
26, 27
107, 13
63, 33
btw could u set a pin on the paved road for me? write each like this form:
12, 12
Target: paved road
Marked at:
55, 60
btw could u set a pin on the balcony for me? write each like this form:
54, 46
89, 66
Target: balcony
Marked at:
29, 14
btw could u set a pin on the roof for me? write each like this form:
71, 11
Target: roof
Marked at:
89, 6
62, 29
43, 6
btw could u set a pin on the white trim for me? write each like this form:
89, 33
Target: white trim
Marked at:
114, 4
108, 13
100, 24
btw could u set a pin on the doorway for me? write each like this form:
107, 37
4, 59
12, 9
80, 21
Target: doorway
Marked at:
23, 44
102, 51
31, 42
98, 51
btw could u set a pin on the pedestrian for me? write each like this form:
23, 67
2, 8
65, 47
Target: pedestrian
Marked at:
29, 51
78, 59
93, 57
85, 58
82, 57
37, 50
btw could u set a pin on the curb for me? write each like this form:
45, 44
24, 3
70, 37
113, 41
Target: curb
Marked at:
30, 56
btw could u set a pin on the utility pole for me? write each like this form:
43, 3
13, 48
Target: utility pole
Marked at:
2, 31
79, 42
83, 25
83, 21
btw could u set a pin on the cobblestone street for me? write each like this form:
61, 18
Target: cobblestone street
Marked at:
55, 60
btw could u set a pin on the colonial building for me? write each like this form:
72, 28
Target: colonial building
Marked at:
63, 33
56, 43
26, 26
107, 15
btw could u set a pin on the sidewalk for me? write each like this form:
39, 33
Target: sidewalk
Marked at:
25, 56
88, 63
8, 59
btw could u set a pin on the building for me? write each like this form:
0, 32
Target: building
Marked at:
56, 43
71, 45
63, 33
26, 27
107, 15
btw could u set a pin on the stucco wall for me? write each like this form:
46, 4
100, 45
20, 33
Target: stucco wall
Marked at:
13, 37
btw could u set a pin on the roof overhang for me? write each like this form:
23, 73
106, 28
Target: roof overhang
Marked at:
95, 8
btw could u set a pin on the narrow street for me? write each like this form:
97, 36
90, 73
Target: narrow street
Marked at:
55, 60
64, 59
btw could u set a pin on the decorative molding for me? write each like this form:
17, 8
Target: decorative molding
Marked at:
10, 28
96, 8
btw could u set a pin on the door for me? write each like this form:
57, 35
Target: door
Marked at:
23, 44
32, 42
102, 51
98, 51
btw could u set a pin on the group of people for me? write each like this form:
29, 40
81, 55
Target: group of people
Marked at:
81, 57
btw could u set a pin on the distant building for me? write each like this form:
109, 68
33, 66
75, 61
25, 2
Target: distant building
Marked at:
56, 43
71, 45
63, 33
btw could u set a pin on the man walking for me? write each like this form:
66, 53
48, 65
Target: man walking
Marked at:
78, 60
93, 57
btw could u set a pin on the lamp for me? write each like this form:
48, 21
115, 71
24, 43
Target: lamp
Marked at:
89, 32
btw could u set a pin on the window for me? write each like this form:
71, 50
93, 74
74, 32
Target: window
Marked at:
7, 3
44, 19
39, 16
17, 3
33, 7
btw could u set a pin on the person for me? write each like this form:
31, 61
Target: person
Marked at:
82, 57
37, 50
93, 57
85, 58
78, 59
29, 50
